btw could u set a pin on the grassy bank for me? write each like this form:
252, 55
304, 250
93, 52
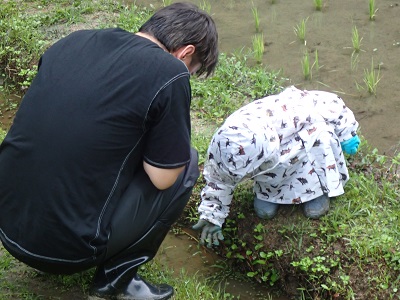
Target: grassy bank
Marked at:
352, 253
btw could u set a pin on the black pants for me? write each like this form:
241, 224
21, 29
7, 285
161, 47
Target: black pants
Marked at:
142, 209
142, 205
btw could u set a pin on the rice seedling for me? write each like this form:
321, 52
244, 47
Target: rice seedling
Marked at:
256, 17
300, 30
372, 78
206, 6
372, 10
306, 66
316, 61
356, 40
355, 59
318, 5
258, 47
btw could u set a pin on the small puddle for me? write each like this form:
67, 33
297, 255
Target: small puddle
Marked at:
182, 252
7, 113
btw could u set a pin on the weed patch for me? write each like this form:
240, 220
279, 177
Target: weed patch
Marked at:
351, 253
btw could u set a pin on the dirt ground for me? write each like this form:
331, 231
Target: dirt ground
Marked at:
291, 279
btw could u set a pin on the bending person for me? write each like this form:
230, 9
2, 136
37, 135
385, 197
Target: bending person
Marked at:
291, 145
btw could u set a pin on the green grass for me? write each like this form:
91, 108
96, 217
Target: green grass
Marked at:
191, 287
25, 32
206, 6
233, 84
2, 135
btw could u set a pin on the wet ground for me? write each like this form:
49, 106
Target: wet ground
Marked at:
182, 252
329, 32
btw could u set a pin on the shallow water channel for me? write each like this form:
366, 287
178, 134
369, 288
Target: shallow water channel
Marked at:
183, 253
328, 33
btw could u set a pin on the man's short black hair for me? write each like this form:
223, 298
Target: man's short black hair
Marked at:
181, 24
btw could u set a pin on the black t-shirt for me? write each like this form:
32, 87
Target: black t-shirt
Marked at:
102, 102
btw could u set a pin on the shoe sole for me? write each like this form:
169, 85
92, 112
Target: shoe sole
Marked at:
91, 297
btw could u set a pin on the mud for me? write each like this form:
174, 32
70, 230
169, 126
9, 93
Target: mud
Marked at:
182, 252
329, 33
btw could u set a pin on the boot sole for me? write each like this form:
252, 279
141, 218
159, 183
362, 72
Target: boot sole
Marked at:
91, 297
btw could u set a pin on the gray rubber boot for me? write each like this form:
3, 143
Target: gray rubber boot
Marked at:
265, 209
316, 208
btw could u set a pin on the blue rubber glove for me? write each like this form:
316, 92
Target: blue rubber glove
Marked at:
211, 234
351, 146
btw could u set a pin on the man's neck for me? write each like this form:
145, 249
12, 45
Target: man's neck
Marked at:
153, 39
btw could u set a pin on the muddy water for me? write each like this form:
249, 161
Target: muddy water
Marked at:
183, 253
329, 32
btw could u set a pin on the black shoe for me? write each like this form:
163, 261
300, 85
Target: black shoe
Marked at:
136, 289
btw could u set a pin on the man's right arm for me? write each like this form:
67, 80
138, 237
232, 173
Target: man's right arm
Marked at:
162, 178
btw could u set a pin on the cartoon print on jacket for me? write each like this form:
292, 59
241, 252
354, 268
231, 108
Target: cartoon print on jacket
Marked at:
289, 144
